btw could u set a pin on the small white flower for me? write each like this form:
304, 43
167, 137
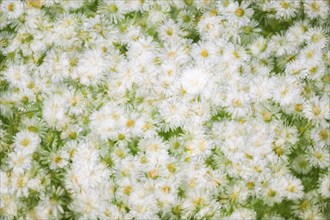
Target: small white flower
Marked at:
301, 165
243, 213
319, 156
324, 187
316, 8
12, 9
294, 189
194, 80
26, 142
317, 110
58, 160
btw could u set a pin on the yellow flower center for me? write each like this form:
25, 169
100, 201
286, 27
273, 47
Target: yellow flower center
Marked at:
11, 7
316, 110
279, 151
236, 54
292, 189
250, 185
171, 54
25, 142
310, 54
304, 205
32, 128
171, 167
130, 123
267, 116
271, 193
316, 38
121, 136
57, 159
199, 201
315, 7
239, 12
153, 174
176, 145
298, 107
113, 8
166, 189
127, 190
303, 163
120, 153
204, 53
318, 155
285, 4
213, 13
35, 3
324, 134
169, 31
20, 182
73, 135
236, 102
313, 70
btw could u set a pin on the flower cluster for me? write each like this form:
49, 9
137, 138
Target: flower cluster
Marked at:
154, 109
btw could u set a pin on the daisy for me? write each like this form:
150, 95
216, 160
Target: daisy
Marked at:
194, 80
286, 9
277, 43
242, 213
19, 161
316, 8
20, 183
112, 10
286, 90
240, 13
209, 28
58, 160
259, 47
250, 32
273, 193
173, 54
310, 55
314, 71
296, 33
294, 189
70, 4
317, 110
316, 38
312, 212
5, 38
158, 12
90, 68
237, 104
319, 156
89, 205
17, 75
26, 142
321, 136
54, 111
186, 18
12, 9
324, 186
170, 31
301, 165
204, 52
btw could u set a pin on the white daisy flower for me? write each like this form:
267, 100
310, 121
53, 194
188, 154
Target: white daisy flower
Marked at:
316, 8
324, 186
193, 80
317, 110
12, 9
26, 142
319, 156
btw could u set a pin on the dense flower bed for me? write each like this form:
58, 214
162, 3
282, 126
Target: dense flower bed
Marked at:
168, 109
